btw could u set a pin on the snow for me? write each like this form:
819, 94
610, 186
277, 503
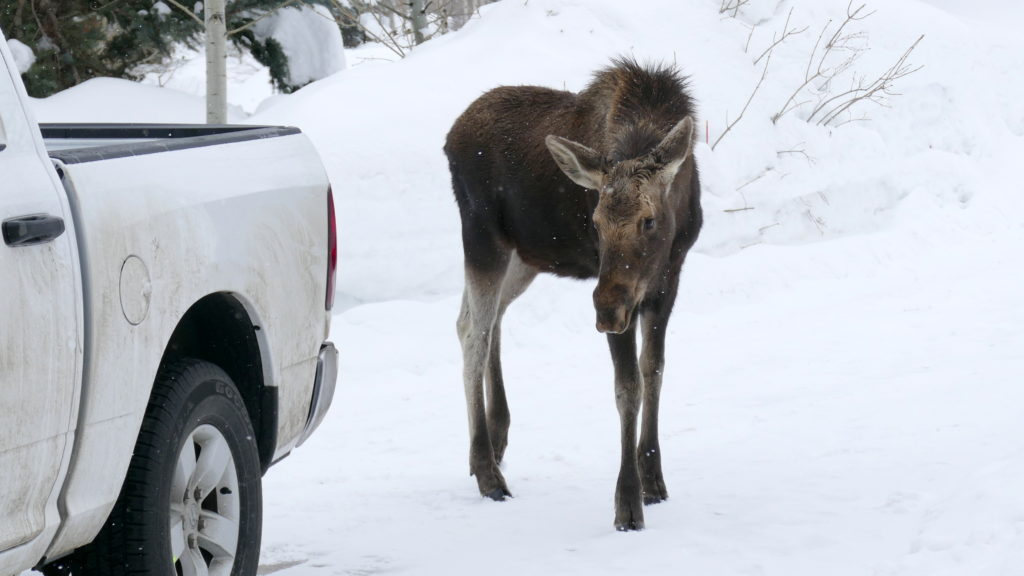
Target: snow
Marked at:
310, 39
161, 8
843, 388
248, 80
116, 100
23, 55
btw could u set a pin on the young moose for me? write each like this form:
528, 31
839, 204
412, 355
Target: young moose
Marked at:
596, 184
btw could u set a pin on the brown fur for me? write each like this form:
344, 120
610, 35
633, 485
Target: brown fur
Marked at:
615, 194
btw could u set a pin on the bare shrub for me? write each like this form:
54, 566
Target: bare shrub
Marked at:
777, 39
400, 25
835, 53
836, 56
733, 6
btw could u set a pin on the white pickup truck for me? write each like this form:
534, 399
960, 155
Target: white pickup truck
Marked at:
165, 296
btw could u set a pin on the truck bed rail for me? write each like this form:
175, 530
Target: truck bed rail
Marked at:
80, 143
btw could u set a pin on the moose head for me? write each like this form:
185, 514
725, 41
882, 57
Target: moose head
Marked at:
635, 217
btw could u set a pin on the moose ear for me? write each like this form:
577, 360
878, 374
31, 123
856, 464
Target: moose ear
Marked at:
582, 165
676, 147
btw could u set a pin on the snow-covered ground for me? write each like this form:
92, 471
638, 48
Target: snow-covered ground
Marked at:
844, 392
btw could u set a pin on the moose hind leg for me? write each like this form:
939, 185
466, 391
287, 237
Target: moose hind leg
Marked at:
475, 326
517, 280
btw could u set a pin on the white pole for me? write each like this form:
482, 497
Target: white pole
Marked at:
216, 57
419, 20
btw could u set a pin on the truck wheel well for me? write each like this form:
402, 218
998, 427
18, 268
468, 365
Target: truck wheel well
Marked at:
218, 329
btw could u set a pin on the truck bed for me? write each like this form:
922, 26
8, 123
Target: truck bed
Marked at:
78, 143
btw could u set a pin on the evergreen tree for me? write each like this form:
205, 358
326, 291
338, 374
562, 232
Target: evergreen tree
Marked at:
75, 40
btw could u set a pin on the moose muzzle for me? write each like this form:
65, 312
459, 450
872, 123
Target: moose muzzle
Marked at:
614, 306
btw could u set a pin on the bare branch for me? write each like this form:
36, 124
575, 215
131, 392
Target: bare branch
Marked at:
797, 150
192, 14
762, 174
746, 205
819, 67
261, 17
388, 40
750, 36
876, 91
97, 9
400, 31
392, 11
786, 33
764, 73
862, 118
731, 5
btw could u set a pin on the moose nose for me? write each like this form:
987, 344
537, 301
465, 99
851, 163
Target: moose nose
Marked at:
612, 321
613, 308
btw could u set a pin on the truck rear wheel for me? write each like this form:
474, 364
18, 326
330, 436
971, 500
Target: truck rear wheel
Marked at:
191, 503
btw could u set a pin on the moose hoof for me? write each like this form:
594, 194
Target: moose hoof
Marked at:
492, 484
498, 494
652, 482
650, 499
629, 517
654, 492
630, 525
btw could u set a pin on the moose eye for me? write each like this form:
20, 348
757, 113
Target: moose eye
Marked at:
648, 224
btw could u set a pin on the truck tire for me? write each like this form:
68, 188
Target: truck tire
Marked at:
191, 503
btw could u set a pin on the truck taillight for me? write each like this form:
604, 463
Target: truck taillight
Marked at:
332, 249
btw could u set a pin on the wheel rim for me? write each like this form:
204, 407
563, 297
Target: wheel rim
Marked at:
205, 506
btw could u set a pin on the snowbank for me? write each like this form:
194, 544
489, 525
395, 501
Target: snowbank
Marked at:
23, 55
115, 100
310, 39
248, 80
380, 126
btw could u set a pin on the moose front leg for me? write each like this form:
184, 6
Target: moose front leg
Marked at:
629, 511
652, 364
